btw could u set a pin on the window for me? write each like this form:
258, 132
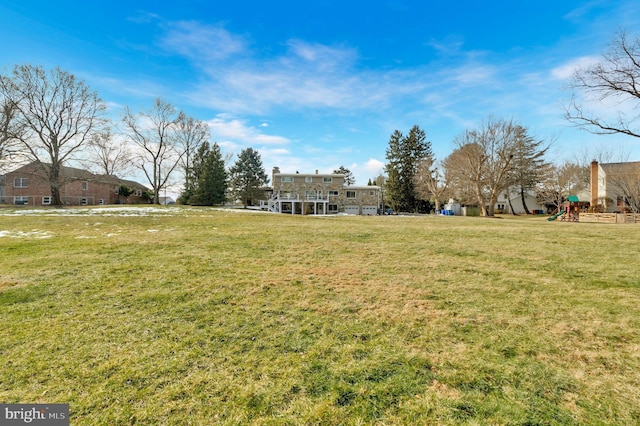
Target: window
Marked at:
84, 201
310, 195
327, 179
117, 190
286, 179
333, 193
85, 185
20, 183
351, 194
101, 201
333, 207
21, 200
46, 201
308, 179
371, 193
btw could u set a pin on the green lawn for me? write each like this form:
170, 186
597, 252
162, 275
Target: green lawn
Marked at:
201, 316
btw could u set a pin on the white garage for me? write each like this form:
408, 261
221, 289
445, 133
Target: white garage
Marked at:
369, 210
352, 209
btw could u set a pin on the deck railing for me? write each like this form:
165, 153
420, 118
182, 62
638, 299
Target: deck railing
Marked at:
296, 197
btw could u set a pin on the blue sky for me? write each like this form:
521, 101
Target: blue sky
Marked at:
316, 85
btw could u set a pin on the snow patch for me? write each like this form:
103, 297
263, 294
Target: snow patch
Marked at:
22, 234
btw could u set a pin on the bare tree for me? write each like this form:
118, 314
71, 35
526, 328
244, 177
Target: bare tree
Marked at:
191, 134
615, 79
626, 183
431, 181
153, 132
461, 174
603, 154
107, 156
560, 181
9, 134
56, 115
484, 159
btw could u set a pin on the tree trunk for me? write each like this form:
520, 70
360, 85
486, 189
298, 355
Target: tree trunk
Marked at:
480, 198
54, 182
510, 205
492, 203
524, 203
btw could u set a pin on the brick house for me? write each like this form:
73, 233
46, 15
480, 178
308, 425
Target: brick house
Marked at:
296, 193
29, 185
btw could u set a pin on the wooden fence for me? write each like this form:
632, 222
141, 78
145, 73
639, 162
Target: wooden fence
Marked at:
610, 217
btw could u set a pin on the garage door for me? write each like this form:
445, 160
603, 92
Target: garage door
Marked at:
352, 210
369, 210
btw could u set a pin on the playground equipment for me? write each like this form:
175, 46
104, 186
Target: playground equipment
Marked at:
560, 213
571, 209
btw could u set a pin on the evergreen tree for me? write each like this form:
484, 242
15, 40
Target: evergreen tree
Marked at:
404, 154
348, 176
191, 134
194, 171
528, 163
125, 192
248, 177
393, 169
212, 179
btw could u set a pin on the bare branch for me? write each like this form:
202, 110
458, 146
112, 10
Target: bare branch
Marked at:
614, 81
55, 115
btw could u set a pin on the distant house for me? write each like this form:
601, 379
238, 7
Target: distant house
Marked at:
296, 193
166, 200
28, 185
511, 202
615, 187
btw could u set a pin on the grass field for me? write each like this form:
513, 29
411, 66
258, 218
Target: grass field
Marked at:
202, 316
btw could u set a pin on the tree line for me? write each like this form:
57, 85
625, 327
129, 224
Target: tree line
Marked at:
496, 156
52, 118
501, 155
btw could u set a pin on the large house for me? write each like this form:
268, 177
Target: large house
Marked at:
29, 185
615, 187
296, 193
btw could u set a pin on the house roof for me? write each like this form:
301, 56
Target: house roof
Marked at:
621, 168
309, 174
80, 174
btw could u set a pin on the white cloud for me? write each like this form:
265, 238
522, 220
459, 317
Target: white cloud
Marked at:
374, 166
471, 75
323, 58
584, 9
226, 129
449, 46
202, 43
303, 75
566, 70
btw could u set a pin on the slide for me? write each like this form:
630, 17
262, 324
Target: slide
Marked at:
556, 215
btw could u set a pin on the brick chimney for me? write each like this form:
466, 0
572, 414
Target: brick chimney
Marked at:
594, 184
